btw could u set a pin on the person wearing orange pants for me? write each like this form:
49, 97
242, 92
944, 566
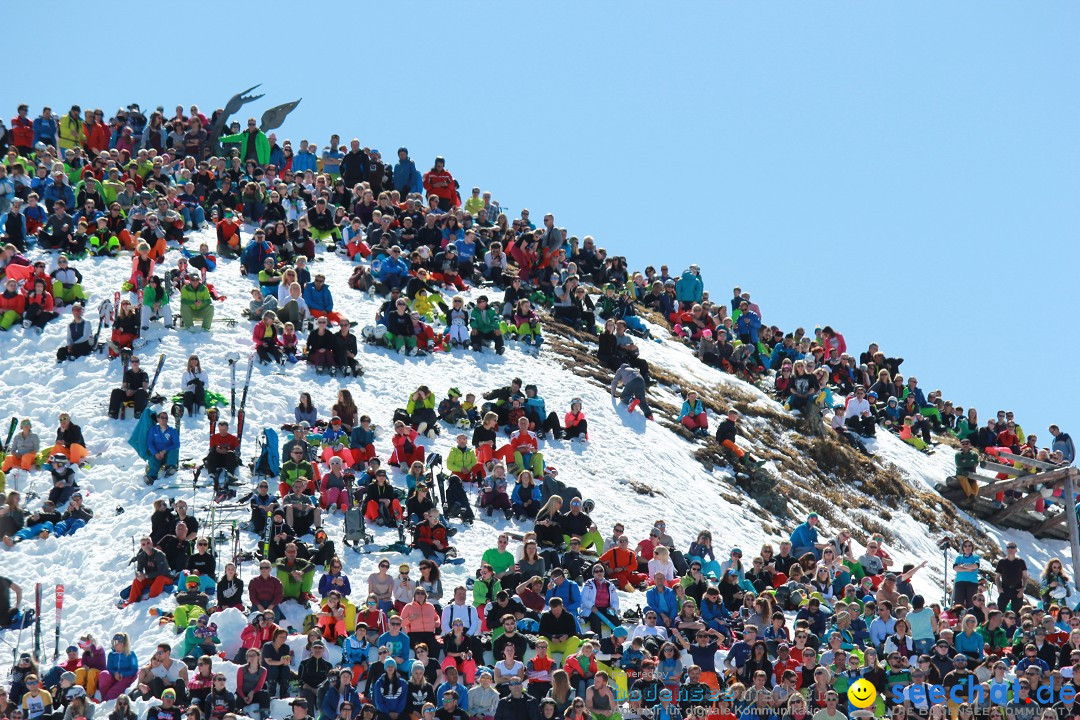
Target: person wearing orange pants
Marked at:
24, 449
87, 678
621, 564
69, 440
151, 572
381, 501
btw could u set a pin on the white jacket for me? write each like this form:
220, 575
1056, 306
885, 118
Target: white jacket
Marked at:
588, 597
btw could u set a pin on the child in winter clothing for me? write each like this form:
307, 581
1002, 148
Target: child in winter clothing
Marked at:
693, 416
470, 410
574, 422
908, 436
527, 324
289, 342
450, 408
457, 322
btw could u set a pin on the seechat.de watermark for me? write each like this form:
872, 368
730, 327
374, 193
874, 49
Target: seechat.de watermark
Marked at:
998, 694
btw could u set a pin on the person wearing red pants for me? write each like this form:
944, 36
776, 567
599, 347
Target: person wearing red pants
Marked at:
693, 416
380, 502
151, 572
621, 564
406, 451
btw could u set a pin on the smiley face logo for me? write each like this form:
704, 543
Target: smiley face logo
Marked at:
862, 693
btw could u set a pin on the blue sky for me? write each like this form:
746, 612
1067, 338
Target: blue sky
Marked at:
907, 173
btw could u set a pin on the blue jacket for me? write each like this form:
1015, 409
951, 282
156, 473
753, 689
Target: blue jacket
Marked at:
689, 288
158, 439
816, 620
570, 594
305, 161
389, 700
972, 645
668, 604
694, 411
58, 191
391, 268
407, 178
45, 131
537, 404
920, 399
804, 536
714, 614
781, 353
254, 255
748, 324
516, 499
333, 698
277, 157
326, 584
125, 665
320, 300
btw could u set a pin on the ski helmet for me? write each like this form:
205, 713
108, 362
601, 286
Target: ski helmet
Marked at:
380, 332
368, 333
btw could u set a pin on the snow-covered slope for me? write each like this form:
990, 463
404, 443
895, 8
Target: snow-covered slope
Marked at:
625, 452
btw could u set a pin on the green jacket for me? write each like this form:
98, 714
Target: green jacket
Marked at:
150, 297
997, 639
191, 641
189, 296
262, 145
485, 321
966, 462
429, 403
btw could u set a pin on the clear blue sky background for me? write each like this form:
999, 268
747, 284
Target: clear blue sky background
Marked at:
907, 172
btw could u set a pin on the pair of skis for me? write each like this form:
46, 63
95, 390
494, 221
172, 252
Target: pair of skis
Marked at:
238, 411
37, 622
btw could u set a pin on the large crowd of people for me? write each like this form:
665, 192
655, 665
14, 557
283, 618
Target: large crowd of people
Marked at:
540, 632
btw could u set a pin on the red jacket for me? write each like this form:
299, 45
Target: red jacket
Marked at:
435, 536
22, 131
97, 137
399, 440
227, 440
440, 184
572, 420
16, 302
259, 334
519, 439
42, 300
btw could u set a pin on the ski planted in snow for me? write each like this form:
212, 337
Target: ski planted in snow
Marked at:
233, 359
243, 404
7, 441
59, 610
157, 372
37, 622
104, 310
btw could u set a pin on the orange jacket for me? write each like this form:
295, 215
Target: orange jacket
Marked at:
417, 617
620, 560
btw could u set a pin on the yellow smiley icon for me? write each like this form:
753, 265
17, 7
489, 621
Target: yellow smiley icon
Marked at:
862, 693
